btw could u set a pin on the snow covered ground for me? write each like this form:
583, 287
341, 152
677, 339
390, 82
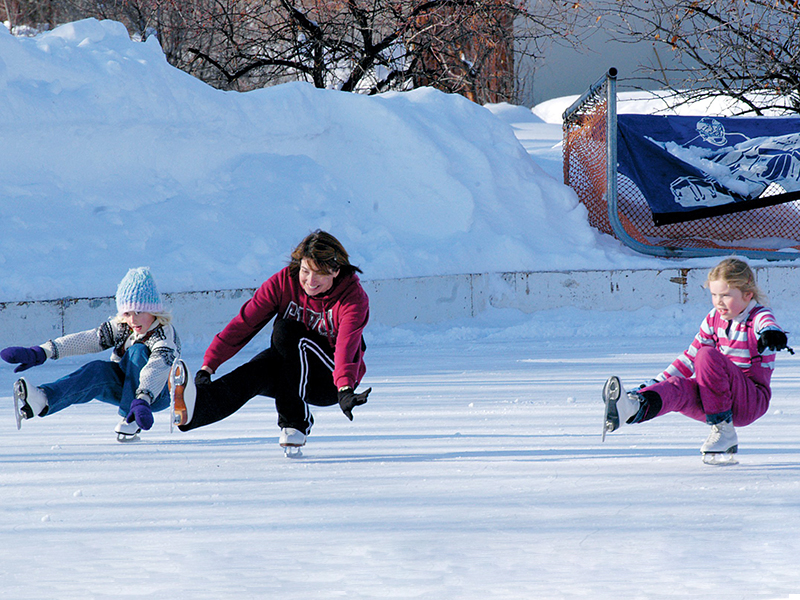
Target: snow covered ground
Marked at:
476, 469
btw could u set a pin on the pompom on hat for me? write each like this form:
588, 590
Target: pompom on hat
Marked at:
137, 292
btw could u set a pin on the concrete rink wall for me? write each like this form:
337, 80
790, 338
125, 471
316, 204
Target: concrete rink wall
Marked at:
396, 302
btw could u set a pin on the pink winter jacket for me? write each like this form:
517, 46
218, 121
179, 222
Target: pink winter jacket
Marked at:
736, 339
340, 315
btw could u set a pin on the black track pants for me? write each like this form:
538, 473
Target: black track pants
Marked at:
296, 370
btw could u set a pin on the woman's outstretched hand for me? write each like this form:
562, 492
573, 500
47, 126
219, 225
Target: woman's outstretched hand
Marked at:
348, 400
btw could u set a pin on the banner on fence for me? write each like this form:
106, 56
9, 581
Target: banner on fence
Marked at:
697, 167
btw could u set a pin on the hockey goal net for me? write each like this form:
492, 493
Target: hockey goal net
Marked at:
618, 207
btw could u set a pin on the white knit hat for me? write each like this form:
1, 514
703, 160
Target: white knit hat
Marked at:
137, 292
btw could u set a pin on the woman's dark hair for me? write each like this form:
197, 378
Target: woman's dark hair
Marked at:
327, 253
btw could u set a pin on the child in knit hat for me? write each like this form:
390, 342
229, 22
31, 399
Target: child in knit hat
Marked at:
144, 345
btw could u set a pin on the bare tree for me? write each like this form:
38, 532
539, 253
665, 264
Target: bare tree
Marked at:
466, 48
748, 50
367, 46
40, 14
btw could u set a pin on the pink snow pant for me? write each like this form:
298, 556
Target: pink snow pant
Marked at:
717, 387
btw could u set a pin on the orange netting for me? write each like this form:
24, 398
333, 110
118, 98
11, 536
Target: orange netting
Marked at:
768, 229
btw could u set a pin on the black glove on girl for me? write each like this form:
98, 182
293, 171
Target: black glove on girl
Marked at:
773, 339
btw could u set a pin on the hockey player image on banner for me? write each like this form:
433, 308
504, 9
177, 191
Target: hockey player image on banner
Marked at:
696, 167
144, 347
723, 378
316, 355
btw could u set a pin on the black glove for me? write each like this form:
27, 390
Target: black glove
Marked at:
348, 400
772, 339
202, 377
26, 357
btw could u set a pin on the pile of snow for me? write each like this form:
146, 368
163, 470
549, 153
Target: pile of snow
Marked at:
112, 158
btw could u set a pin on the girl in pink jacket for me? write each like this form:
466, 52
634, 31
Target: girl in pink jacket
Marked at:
723, 378
316, 355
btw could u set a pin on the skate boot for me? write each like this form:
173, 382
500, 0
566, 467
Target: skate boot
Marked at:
291, 440
722, 444
28, 401
127, 432
619, 405
183, 394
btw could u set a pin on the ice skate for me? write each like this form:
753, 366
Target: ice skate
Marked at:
720, 459
127, 432
619, 405
722, 445
28, 401
182, 395
291, 440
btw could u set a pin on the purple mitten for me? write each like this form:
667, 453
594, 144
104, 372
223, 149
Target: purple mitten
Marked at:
141, 413
26, 357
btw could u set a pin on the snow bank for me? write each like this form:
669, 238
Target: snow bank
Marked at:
112, 159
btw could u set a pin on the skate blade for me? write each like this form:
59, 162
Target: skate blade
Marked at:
17, 415
608, 427
20, 405
178, 418
720, 459
611, 393
177, 382
292, 451
124, 438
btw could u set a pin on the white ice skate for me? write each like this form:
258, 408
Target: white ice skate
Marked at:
182, 395
722, 445
127, 432
291, 440
28, 401
619, 406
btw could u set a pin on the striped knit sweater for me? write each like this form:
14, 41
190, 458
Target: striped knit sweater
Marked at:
162, 341
735, 339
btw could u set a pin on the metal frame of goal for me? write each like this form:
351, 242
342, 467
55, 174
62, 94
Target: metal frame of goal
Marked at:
617, 206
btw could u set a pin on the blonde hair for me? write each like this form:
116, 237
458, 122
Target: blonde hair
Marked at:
737, 274
162, 318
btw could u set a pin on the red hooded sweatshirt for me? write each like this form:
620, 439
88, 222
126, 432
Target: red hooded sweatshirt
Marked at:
340, 315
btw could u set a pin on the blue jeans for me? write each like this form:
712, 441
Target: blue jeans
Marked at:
107, 381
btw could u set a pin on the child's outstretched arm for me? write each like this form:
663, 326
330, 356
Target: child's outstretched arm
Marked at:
769, 334
84, 342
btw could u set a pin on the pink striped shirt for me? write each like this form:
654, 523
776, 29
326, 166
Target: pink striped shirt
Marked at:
735, 339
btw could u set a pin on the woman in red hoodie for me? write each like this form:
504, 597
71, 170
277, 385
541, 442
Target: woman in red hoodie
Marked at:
316, 356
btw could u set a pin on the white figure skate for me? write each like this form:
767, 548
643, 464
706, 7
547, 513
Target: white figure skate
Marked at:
127, 432
619, 406
721, 446
182, 395
291, 440
28, 401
